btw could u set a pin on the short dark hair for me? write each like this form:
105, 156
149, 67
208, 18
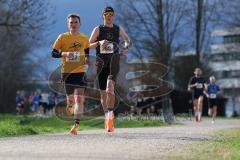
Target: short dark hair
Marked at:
74, 15
108, 9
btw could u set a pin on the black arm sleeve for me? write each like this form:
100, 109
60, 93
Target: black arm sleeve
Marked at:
86, 52
56, 54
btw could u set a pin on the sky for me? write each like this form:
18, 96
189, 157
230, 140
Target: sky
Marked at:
90, 12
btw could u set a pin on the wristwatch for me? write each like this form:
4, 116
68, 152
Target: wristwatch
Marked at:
98, 43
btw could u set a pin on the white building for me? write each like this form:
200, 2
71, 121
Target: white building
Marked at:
225, 62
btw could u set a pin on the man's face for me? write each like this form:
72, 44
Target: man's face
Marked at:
198, 72
73, 24
212, 81
108, 17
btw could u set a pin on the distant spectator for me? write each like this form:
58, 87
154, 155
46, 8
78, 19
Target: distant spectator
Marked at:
19, 103
44, 102
51, 102
35, 105
30, 100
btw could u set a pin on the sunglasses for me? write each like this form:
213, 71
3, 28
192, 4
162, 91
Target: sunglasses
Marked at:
108, 14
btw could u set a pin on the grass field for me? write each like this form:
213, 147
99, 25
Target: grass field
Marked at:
225, 145
11, 125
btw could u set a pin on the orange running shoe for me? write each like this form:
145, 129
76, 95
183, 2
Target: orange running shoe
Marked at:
109, 123
74, 129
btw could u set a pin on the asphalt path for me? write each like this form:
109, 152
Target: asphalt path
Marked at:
126, 143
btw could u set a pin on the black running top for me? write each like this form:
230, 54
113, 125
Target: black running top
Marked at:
197, 90
108, 33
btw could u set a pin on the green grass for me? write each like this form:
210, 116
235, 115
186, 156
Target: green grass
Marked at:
11, 125
225, 145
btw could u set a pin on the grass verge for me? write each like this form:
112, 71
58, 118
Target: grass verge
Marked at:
11, 125
224, 145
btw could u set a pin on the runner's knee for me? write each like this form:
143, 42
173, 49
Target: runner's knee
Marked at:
110, 85
79, 99
78, 109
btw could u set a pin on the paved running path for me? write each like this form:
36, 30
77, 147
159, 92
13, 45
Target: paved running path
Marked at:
131, 143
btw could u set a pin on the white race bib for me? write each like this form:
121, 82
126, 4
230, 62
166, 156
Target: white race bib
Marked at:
199, 85
109, 48
76, 58
212, 96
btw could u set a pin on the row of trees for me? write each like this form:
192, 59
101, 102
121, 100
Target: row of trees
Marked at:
160, 28
21, 29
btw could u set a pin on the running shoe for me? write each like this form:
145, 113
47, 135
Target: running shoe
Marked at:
213, 122
109, 124
74, 129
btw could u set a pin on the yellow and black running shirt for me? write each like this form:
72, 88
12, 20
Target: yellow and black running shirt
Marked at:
72, 43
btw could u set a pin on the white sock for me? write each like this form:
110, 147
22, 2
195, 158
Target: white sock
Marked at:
110, 114
106, 115
200, 114
196, 113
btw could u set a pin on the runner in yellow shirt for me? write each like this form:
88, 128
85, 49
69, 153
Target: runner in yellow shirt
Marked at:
73, 48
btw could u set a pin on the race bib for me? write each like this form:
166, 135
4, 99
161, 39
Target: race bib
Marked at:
199, 85
212, 96
106, 49
75, 58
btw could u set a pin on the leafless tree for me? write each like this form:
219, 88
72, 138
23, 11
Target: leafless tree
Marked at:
154, 26
205, 16
230, 13
21, 29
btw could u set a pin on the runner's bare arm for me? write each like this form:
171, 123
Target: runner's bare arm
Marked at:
124, 36
87, 57
93, 38
205, 90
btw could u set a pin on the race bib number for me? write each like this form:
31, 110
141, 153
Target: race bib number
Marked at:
106, 49
212, 96
199, 85
75, 58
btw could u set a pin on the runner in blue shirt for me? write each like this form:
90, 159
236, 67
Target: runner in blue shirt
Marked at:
213, 91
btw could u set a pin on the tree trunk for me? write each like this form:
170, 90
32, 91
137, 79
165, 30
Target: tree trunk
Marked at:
198, 30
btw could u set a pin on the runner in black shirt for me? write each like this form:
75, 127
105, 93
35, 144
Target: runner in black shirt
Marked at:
197, 86
102, 38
